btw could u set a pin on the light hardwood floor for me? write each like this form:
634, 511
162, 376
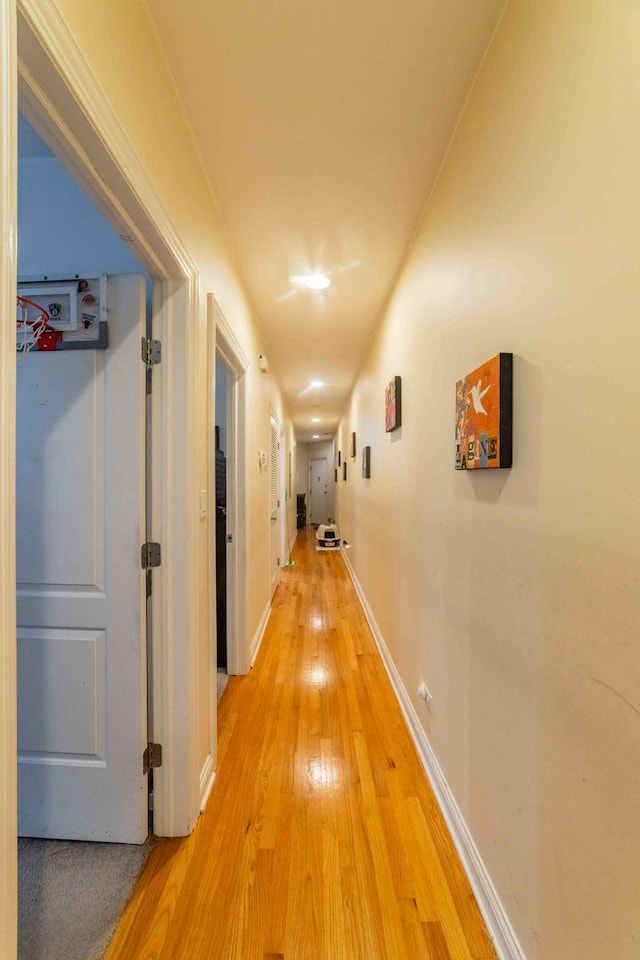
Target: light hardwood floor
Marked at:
322, 839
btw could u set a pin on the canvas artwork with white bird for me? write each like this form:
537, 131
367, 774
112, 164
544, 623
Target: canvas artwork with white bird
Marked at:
477, 393
484, 400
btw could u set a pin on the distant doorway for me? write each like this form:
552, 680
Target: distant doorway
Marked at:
318, 490
223, 374
229, 649
274, 501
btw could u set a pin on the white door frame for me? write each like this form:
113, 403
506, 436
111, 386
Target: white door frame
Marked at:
227, 345
60, 95
285, 549
8, 267
275, 529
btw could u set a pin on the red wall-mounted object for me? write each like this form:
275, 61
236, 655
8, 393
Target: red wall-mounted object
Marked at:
49, 339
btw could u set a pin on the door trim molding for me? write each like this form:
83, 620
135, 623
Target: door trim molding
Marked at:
261, 629
57, 82
59, 91
275, 523
174, 598
8, 266
229, 347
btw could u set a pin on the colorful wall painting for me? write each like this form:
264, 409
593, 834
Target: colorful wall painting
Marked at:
393, 404
484, 416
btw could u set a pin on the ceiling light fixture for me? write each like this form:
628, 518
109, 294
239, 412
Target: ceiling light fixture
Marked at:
317, 383
312, 281
315, 419
316, 436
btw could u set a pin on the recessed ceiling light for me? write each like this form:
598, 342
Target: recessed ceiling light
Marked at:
317, 383
318, 281
316, 436
315, 419
312, 281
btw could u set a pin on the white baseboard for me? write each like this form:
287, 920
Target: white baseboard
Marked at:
495, 917
259, 634
207, 776
291, 543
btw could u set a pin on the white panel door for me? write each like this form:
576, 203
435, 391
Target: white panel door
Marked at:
274, 502
319, 478
81, 590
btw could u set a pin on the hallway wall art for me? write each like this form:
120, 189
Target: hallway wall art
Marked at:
366, 462
484, 416
352, 445
393, 404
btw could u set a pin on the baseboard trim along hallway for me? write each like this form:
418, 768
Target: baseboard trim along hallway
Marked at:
256, 643
322, 838
495, 916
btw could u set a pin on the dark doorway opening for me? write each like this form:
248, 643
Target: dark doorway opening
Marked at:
223, 379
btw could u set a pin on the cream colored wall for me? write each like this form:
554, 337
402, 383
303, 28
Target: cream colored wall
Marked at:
514, 594
130, 67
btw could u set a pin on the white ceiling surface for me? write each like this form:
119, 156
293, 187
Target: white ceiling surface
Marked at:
322, 126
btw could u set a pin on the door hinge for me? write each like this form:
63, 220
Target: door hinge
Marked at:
152, 757
151, 350
150, 555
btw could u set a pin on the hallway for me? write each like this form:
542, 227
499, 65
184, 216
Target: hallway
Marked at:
322, 839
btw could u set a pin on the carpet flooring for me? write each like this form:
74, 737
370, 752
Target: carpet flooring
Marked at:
71, 896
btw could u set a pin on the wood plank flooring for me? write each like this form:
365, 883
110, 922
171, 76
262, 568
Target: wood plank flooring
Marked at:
322, 839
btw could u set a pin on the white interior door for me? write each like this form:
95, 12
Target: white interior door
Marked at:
274, 501
319, 480
81, 589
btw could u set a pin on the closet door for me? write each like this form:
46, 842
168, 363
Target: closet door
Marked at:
81, 589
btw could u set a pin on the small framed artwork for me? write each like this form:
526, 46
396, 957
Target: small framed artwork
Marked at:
484, 416
366, 462
335, 475
393, 404
344, 470
339, 458
352, 445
